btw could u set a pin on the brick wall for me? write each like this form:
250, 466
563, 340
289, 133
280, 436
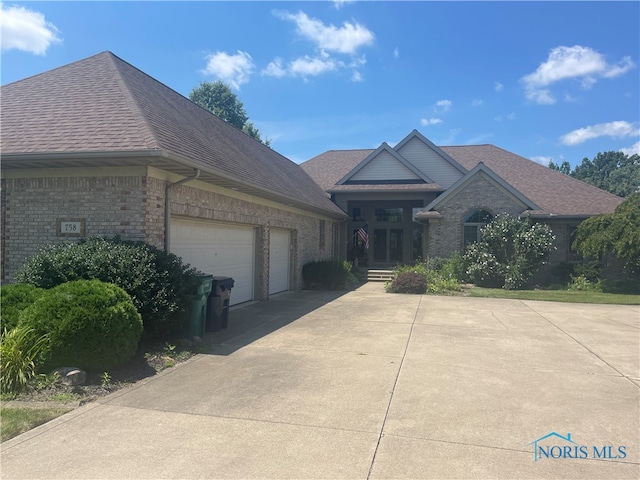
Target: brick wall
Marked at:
133, 207
445, 236
32, 208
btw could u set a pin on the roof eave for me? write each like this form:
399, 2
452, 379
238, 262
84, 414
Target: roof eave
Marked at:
174, 163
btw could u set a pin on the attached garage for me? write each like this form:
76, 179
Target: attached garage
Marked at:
279, 260
218, 249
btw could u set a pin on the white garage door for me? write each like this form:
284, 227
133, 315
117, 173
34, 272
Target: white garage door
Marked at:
218, 249
279, 261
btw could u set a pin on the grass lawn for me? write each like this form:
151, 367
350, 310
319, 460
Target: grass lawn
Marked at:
573, 296
16, 420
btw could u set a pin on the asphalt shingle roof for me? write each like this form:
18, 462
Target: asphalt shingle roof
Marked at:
103, 104
554, 192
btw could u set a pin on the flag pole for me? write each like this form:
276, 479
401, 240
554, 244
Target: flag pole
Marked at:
355, 234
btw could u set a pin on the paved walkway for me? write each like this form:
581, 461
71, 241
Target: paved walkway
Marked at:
370, 385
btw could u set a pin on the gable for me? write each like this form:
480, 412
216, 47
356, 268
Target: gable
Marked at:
482, 186
384, 165
430, 160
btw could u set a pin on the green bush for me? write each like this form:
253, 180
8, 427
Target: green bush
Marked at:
15, 298
90, 324
408, 282
328, 275
564, 272
439, 274
580, 282
159, 283
510, 252
19, 350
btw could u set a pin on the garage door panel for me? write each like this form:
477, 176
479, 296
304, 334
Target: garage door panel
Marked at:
218, 249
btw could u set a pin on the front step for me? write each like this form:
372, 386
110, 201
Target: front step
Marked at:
379, 275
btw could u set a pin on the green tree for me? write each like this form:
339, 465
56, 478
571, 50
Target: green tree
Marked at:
565, 167
218, 98
510, 252
613, 171
616, 233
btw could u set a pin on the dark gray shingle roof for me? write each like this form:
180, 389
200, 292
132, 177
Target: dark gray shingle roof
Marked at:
554, 192
103, 104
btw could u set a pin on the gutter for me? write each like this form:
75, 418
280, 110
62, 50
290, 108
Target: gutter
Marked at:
167, 206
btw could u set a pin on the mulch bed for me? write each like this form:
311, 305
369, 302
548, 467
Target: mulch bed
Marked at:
147, 362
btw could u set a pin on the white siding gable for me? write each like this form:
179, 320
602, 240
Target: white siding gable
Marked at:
384, 167
430, 163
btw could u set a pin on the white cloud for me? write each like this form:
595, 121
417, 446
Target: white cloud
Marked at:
396, 53
311, 66
632, 150
577, 62
511, 116
346, 39
541, 160
306, 66
443, 105
619, 129
275, 69
232, 69
26, 30
477, 102
497, 86
341, 3
430, 121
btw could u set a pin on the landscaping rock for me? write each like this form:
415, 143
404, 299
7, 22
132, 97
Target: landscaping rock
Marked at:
71, 376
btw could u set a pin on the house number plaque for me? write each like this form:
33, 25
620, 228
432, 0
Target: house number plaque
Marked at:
71, 228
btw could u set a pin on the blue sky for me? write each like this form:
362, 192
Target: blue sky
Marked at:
546, 80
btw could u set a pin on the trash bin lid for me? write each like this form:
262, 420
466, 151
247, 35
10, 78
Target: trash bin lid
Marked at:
206, 282
223, 283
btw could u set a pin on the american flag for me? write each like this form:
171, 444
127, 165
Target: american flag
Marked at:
362, 233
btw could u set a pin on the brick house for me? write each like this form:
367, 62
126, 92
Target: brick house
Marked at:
99, 148
418, 200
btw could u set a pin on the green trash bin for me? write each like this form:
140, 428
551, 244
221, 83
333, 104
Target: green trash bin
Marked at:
194, 325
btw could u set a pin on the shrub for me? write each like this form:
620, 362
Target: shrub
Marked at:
14, 299
90, 324
510, 252
565, 273
159, 284
580, 282
19, 349
617, 233
408, 282
328, 275
439, 275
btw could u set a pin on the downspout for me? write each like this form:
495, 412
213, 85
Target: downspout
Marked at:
167, 206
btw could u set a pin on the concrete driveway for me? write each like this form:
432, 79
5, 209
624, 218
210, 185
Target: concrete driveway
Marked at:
371, 385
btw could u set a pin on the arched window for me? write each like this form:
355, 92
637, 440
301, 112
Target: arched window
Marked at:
473, 223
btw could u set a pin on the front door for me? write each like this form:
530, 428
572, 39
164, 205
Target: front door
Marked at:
387, 246
380, 245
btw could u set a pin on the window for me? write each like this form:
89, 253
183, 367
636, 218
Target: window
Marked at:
355, 214
393, 215
322, 233
473, 223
